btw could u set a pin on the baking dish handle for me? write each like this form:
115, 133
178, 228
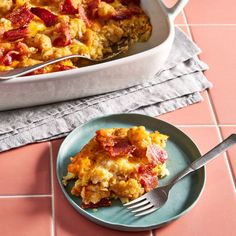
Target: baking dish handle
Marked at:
176, 9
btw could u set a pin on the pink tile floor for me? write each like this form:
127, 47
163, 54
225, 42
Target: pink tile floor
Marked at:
31, 202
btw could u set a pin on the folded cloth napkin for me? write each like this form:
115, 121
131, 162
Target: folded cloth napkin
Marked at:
177, 85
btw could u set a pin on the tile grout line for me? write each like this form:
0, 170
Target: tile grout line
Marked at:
221, 139
227, 160
196, 125
52, 189
26, 196
213, 110
212, 25
227, 125
207, 94
186, 24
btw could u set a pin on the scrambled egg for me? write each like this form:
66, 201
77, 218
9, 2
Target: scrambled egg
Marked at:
119, 163
40, 30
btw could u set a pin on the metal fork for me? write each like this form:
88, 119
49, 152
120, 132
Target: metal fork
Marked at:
116, 50
156, 198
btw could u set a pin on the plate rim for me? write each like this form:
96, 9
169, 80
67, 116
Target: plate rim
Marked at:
119, 226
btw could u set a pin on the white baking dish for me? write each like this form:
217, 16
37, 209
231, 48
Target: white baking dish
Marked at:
142, 62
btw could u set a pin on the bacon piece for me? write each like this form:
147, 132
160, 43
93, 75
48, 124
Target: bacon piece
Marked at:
61, 67
148, 180
84, 16
37, 72
144, 169
156, 155
7, 59
1, 52
93, 5
127, 2
121, 147
65, 37
68, 8
22, 48
20, 17
105, 202
15, 34
108, 1
46, 16
115, 146
122, 14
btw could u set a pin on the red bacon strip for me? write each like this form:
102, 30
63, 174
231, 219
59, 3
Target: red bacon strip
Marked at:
149, 182
16, 53
105, 202
46, 16
7, 59
121, 147
127, 2
156, 155
83, 15
68, 8
61, 67
93, 4
65, 37
1, 52
108, 1
15, 34
22, 48
122, 14
93, 7
147, 178
20, 17
37, 72
115, 146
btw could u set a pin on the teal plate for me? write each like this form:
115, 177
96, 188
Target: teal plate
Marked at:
181, 151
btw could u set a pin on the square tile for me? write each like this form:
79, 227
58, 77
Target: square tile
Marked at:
218, 45
25, 170
190, 115
25, 216
226, 131
211, 12
66, 215
214, 213
180, 18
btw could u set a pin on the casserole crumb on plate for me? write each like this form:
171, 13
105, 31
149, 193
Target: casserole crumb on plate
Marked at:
121, 163
34, 31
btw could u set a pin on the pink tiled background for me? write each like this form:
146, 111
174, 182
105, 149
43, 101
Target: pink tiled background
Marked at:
31, 202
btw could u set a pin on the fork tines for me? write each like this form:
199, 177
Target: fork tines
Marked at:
141, 205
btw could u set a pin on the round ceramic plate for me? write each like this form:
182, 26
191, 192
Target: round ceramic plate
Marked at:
181, 151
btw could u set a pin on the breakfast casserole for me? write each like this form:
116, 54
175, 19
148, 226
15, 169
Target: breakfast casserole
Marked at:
117, 163
35, 31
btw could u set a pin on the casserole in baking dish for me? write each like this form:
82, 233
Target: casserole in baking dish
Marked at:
36, 31
137, 66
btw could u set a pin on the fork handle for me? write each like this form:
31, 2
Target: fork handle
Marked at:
213, 153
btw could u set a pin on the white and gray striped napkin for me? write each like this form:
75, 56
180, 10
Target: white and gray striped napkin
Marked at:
177, 85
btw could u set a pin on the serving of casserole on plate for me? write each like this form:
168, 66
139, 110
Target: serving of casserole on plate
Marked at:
116, 163
34, 31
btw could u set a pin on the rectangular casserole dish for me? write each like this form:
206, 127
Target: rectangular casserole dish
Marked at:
142, 62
